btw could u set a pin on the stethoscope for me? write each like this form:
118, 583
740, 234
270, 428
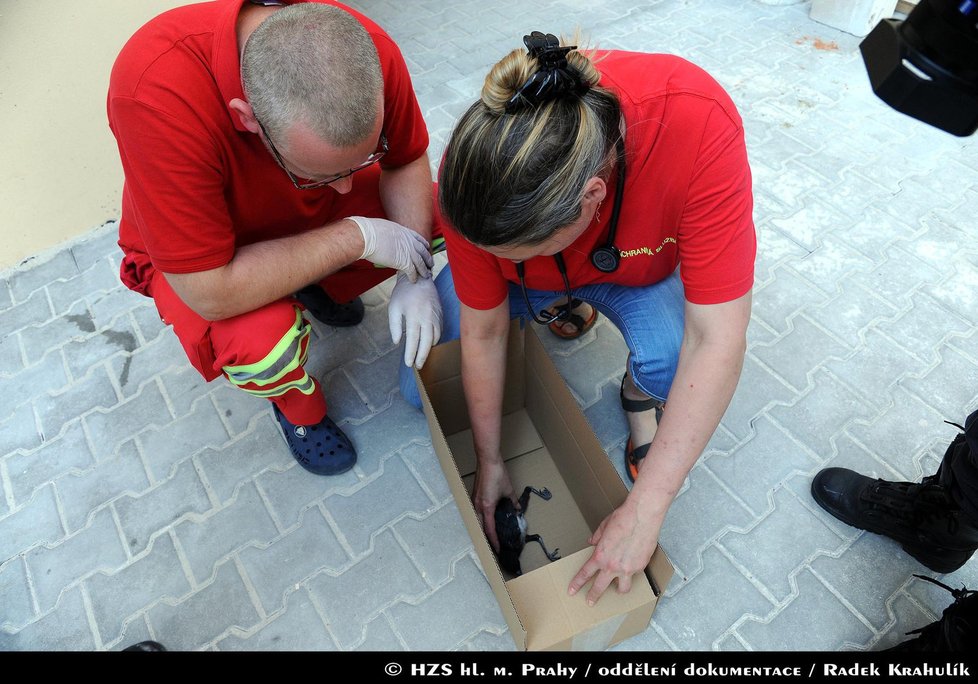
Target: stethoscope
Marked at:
606, 258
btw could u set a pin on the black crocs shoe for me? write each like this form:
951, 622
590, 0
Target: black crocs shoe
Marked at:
322, 449
325, 310
923, 518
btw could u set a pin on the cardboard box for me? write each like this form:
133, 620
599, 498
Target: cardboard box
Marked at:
547, 442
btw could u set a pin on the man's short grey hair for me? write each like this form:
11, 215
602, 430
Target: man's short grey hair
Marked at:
314, 64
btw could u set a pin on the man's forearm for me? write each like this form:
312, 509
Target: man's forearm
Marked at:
263, 272
405, 193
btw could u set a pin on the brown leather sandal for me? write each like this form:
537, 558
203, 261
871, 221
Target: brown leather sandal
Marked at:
633, 456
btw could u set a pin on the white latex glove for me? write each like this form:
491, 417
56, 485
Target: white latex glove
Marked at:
415, 308
390, 244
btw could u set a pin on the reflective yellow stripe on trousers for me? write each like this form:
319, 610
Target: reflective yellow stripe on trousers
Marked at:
288, 354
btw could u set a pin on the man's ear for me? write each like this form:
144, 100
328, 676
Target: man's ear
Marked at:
245, 114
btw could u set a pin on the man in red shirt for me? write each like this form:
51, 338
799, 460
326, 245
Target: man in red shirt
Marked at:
617, 181
265, 145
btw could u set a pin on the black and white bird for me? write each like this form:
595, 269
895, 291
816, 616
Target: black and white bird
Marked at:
511, 531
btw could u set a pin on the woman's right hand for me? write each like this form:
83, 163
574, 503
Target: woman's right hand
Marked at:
491, 484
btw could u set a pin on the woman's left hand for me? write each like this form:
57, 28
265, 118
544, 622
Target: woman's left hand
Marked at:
623, 546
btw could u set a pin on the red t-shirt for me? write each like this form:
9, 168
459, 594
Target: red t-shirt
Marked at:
687, 197
198, 184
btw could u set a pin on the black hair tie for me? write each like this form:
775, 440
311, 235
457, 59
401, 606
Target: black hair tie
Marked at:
553, 79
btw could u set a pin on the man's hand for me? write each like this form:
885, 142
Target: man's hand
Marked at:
415, 308
623, 546
390, 244
491, 484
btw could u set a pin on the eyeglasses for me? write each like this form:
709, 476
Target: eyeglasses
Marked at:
382, 149
563, 312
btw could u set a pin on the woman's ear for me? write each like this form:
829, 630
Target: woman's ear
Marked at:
595, 190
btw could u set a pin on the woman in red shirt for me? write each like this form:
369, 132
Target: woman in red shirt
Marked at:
618, 181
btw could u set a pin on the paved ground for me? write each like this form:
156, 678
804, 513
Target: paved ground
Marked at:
138, 501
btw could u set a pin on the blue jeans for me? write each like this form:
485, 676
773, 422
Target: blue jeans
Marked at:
650, 319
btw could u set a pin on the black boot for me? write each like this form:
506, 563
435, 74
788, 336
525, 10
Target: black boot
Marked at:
957, 630
923, 517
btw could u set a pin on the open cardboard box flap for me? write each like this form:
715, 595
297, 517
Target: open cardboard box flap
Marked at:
547, 442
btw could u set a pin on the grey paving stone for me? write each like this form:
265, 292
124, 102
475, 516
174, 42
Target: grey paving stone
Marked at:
101, 276
793, 627
423, 462
239, 408
848, 315
34, 311
908, 616
17, 608
241, 459
580, 370
206, 614
298, 628
876, 368
889, 280
284, 564
156, 576
376, 380
35, 522
343, 402
352, 598
868, 573
36, 272
646, 641
957, 291
830, 262
134, 369
11, 359
385, 432
761, 465
391, 495
607, 418
467, 596
698, 515
109, 305
819, 415
126, 419
185, 386
66, 628
95, 548
786, 294
488, 641
763, 552
804, 348
173, 443
83, 353
136, 630
19, 431
380, 636
32, 470
757, 390
902, 431
336, 348
74, 323
291, 491
922, 329
435, 542
693, 618
96, 245
32, 382
244, 521
83, 492
939, 245
148, 321
145, 514
806, 228
94, 391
